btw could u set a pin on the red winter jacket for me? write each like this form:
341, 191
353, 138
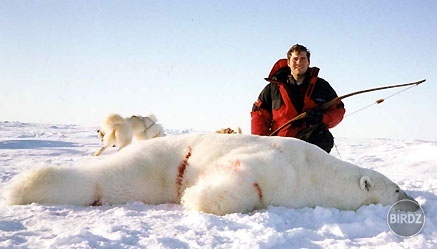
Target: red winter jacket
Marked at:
282, 99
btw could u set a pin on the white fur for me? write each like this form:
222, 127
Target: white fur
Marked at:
118, 132
210, 173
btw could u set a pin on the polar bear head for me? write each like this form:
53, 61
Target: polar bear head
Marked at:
376, 188
331, 182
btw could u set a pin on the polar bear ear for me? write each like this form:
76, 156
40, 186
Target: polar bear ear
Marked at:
365, 183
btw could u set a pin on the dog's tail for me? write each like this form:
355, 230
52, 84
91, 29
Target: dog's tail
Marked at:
114, 119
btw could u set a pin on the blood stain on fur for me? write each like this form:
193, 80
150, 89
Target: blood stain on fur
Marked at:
235, 164
259, 190
181, 171
98, 198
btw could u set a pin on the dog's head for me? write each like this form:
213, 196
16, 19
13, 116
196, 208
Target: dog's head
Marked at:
101, 134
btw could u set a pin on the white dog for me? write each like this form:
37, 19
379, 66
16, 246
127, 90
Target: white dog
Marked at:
117, 131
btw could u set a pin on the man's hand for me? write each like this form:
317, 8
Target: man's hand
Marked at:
313, 117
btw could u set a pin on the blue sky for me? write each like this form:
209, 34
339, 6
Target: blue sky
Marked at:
201, 64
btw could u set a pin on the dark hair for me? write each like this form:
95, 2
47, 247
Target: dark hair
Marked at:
298, 48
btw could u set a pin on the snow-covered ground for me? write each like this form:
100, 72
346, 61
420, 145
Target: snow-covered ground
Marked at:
412, 164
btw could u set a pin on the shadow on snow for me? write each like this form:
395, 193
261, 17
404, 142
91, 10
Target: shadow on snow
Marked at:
34, 144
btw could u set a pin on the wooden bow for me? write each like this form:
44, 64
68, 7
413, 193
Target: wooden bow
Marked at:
336, 100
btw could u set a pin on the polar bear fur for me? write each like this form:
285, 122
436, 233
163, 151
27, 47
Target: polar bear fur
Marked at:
210, 173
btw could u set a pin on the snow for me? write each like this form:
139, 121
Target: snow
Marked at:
410, 163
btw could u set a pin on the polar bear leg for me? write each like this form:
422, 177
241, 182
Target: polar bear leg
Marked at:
224, 191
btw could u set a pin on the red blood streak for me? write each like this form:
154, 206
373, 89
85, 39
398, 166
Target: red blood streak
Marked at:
181, 171
259, 190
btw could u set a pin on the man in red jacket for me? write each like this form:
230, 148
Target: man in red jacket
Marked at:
294, 88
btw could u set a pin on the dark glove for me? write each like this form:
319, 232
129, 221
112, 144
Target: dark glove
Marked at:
313, 117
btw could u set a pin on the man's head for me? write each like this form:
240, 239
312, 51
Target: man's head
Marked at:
298, 60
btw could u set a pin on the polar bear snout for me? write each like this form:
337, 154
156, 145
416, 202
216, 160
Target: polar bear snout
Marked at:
404, 196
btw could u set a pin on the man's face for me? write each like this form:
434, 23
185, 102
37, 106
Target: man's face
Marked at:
298, 63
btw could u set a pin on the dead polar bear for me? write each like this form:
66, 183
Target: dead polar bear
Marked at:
210, 173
